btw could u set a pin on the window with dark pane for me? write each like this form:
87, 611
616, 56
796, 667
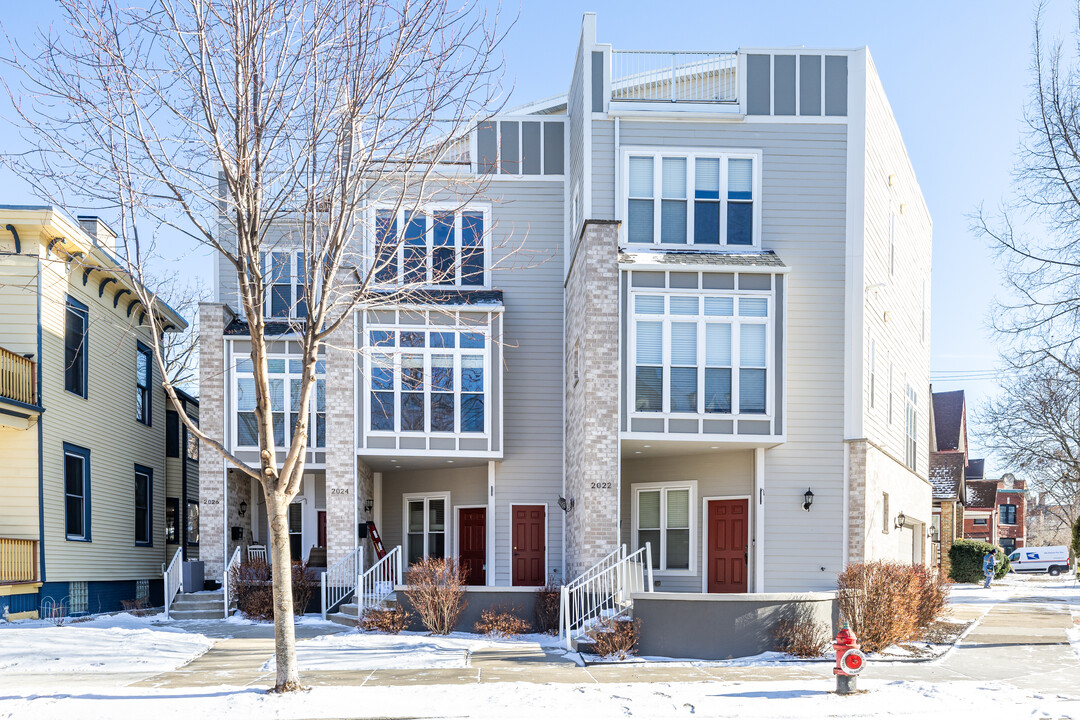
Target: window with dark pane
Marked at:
443, 267
386, 246
472, 249
740, 197
143, 374
143, 505
414, 248
76, 322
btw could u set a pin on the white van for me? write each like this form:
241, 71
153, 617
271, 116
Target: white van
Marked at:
1053, 559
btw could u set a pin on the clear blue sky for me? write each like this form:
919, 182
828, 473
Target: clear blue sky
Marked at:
956, 72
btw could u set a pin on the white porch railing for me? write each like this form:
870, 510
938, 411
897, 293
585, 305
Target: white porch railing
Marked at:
339, 580
377, 582
664, 76
604, 591
227, 581
174, 579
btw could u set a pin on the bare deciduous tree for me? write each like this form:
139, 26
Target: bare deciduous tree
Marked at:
254, 125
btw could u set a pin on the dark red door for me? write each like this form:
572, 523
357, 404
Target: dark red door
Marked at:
528, 552
322, 529
472, 544
728, 545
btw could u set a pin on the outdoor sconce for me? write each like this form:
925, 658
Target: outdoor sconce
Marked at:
243, 508
901, 520
932, 534
808, 499
566, 505
368, 505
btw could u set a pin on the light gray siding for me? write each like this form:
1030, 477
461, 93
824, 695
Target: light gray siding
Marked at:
577, 119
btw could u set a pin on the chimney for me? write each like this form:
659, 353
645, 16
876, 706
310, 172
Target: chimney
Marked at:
96, 228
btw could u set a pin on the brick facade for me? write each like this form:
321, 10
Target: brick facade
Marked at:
341, 460
213, 317
1012, 492
857, 502
592, 397
874, 474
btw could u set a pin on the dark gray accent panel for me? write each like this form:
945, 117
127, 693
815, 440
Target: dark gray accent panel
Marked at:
439, 443
530, 148
758, 84
486, 147
755, 281
753, 427
836, 85
716, 628
648, 279
522, 602
412, 443
682, 426
511, 161
718, 427
784, 85
647, 425
809, 84
553, 148
388, 443
778, 359
597, 81
683, 280
718, 281
624, 351
473, 444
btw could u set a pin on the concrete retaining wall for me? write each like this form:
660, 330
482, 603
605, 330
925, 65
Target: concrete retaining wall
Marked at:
722, 626
521, 601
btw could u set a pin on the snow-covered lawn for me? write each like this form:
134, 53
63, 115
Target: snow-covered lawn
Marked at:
407, 651
107, 644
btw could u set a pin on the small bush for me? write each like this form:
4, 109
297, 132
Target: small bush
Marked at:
502, 622
547, 607
801, 635
137, 607
1074, 546
933, 595
436, 589
879, 601
303, 587
385, 620
250, 586
966, 559
616, 638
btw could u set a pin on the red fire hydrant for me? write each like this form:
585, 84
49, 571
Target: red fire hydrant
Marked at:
849, 660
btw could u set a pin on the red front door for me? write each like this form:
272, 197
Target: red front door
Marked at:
472, 544
527, 559
728, 545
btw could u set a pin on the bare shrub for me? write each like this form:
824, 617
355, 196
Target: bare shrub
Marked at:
303, 587
502, 622
436, 589
616, 638
385, 620
933, 589
137, 607
800, 634
547, 606
250, 586
880, 601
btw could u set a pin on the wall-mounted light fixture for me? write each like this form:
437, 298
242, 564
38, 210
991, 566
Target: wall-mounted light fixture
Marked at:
243, 508
808, 499
901, 520
368, 505
566, 505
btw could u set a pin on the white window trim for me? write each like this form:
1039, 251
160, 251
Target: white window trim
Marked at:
751, 560
429, 210
690, 154
234, 399
911, 427
701, 319
295, 287
427, 352
449, 526
635, 490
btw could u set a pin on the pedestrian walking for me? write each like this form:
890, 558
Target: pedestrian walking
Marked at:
989, 564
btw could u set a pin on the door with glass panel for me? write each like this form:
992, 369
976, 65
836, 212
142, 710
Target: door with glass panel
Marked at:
425, 531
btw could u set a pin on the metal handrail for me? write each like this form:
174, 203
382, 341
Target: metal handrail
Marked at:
342, 574
604, 591
228, 577
670, 76
377, 583
174, 579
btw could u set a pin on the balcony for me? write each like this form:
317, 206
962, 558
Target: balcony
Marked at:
18, 561
664, 76
17, 378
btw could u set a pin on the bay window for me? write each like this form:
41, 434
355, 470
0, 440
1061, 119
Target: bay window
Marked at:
663, 517
439, 247
705, 198
285, 380
691, 352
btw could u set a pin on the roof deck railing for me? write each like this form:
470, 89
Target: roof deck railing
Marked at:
669, 76
17, 377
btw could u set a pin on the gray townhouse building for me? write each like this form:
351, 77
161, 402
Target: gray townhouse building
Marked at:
719, 346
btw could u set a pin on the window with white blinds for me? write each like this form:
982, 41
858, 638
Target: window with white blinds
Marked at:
700, 354
682, 198
662, 518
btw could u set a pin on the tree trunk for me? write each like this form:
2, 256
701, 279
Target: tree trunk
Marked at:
288, 679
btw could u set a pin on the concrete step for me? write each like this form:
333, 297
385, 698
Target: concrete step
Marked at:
342, 619
215, 614
197, 605
351, 609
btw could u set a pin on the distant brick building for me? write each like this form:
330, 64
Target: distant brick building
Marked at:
980, 511
1012, 513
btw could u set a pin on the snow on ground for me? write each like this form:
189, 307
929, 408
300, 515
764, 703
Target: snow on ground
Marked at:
406, 651
313, 619
105, 644
795, 700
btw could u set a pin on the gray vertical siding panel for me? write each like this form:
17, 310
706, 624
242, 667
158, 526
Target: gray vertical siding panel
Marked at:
530, 148
810, 85
575, 163
784, 85
597, 81
554, 150
603, 170
758, 83
836, 76
486, 147
778, 413
511, 162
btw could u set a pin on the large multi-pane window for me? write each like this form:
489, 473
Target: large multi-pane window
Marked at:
144, 505
76, 492
1008, 514
285, 377
425, 526
427, 379
435, 247
700, 353
911, 427
662, 516
707, 199
144, 372
285, 272
76, 323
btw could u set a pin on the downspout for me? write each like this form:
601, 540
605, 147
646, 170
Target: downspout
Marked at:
40, 430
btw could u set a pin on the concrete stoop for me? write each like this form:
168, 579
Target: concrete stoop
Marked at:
198, 606
347, 613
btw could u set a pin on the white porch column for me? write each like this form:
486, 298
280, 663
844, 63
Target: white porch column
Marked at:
759, 520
